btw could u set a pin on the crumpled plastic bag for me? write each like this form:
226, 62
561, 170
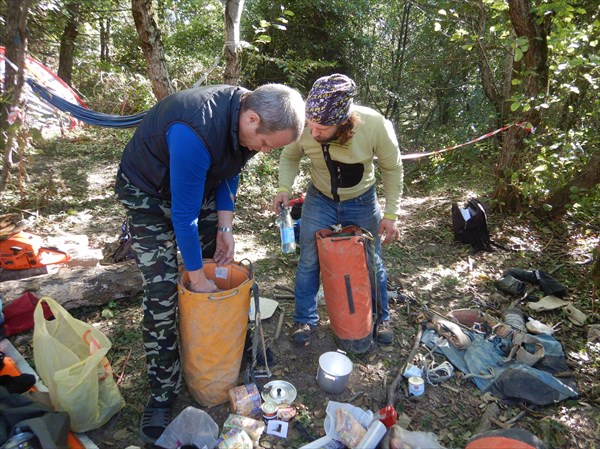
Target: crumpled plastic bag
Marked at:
364, 417
191, 426
406, 439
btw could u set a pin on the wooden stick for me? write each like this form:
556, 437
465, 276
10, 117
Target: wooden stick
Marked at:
279, 324
409, 359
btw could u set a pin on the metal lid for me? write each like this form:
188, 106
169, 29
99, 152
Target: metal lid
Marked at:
279, 391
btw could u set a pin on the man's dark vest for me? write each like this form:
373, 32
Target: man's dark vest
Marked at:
212, 112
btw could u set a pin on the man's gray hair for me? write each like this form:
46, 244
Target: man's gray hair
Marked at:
279, 107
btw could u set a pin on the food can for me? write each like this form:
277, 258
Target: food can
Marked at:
269, 409
416, 386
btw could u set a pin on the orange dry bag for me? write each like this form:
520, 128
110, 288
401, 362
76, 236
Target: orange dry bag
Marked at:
212, 328
345, 257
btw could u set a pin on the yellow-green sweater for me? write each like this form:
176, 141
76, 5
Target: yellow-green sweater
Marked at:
373, 138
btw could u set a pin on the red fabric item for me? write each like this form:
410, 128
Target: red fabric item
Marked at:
18, 315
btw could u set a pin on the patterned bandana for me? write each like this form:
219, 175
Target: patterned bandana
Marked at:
329, 100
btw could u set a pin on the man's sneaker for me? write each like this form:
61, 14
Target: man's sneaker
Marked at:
301, 333
385, 333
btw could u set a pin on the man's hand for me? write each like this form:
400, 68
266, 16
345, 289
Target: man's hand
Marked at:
225, 248
200, 284
390, 229
282, 198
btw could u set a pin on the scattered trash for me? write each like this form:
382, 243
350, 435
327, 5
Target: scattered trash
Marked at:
416, 386
234, 439
191, 426
277, 428
548, 302
401, 438
245, 400
252, 427
537, 327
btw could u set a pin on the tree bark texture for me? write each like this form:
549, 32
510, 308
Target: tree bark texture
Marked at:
561, 199
67, 42
233, 15
80, 286
104, 39
15, 51
151, 43
532, 70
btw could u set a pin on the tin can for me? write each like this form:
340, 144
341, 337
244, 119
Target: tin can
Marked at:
416, 386
269, 410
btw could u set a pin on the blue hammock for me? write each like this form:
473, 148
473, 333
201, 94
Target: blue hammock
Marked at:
84, 114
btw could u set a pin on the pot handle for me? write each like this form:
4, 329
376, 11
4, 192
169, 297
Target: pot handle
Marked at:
341, 352
329, 376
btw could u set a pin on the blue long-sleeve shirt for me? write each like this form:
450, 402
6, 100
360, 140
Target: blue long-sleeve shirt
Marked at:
189, 164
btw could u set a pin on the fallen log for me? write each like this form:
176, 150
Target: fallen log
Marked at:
75, 287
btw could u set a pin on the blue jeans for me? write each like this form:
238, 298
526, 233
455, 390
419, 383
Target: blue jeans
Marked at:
320, 212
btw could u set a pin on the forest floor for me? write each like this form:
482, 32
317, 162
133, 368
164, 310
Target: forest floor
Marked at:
425, 264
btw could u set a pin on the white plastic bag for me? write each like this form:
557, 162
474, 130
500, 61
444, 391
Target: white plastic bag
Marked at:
363, 417
406, 439
192, 426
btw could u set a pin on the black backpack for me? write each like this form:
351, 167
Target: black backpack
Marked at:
469, 224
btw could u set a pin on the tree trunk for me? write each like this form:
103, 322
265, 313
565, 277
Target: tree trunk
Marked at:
233, 15
151, 43
80, 286
67, 42
104, 39
533, 71
559, 200
16, 49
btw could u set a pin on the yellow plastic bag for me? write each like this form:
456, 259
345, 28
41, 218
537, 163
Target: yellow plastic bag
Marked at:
70, 358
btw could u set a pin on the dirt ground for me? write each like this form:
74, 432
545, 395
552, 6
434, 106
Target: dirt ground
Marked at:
425, 264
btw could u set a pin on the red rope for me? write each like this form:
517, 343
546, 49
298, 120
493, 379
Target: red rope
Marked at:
525, 125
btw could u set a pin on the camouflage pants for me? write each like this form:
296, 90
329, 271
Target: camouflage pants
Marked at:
155, 247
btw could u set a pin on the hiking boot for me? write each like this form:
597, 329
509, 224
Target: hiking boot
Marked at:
301, 333
385, 333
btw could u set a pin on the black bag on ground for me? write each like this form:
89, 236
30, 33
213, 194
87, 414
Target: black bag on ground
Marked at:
469, 224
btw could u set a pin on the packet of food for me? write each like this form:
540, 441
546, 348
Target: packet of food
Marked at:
252, 427
350, 431
234, 439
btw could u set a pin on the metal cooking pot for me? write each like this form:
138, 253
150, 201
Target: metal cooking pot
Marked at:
334, 371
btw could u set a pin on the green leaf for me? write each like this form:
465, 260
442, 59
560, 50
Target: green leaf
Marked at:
518, 54
265, 39
515, 106
515, 81
107, 313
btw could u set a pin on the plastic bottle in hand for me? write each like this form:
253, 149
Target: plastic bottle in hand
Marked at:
286, 229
